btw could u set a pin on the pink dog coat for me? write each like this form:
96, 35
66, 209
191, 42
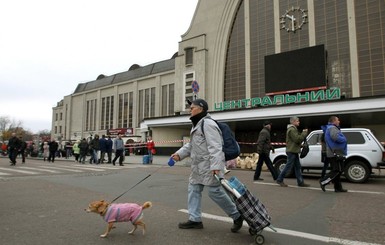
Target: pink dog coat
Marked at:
123, 212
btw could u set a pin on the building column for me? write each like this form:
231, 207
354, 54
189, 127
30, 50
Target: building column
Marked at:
353, 49
247, 50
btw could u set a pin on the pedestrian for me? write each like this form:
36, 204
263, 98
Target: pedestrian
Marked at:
84, 148
293, 147
207, 159
94, 149
23, 148
103, 148
336, 151
45, 150
263, 149
76, 150
119, 150
109, 144
53, 147
68, 149
324, 158
14, 145
150, 147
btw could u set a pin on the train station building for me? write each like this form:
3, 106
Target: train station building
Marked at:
251, 61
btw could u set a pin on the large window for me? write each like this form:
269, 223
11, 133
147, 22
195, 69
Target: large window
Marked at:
235, 73
90, 115
146, 105
188, 80
331, 28
125, 110
189, 56
107, 113
167, 100
370, 23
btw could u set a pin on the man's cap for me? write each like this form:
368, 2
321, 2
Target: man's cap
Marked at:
199, 102
267, 123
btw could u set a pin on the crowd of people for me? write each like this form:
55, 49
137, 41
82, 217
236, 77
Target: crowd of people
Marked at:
94, 150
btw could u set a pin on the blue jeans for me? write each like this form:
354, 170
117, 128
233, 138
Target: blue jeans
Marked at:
217, 194
292, 159
94, 156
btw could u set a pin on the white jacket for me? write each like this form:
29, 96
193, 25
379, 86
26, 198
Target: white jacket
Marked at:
205, 151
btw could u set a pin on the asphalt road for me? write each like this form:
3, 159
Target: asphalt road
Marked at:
48, 207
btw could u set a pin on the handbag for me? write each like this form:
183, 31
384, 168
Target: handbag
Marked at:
305, 149
153, 151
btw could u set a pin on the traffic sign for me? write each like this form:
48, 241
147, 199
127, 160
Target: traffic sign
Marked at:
195, 86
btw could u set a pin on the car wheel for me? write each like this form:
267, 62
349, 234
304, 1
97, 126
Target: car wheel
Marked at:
280, 165
357, 171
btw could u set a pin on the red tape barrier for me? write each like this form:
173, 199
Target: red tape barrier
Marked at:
143, 144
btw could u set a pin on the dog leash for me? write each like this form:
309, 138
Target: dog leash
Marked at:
137, 184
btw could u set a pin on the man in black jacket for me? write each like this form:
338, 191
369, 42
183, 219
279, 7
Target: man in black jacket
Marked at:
14, 145
53, 146
263, 149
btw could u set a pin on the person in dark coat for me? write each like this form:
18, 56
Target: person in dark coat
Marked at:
109, 144
83, 146
22, 150
103, 148
53, 147
263, 150
14, 145
94, 149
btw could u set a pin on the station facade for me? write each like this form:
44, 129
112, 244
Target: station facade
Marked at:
222, 58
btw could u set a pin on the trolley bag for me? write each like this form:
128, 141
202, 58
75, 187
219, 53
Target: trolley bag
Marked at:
250, 207
253, 211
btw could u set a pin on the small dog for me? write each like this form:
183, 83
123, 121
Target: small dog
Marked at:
119, 212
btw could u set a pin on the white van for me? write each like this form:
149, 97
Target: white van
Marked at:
365, 153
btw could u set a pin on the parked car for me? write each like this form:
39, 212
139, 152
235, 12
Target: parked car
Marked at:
365, 153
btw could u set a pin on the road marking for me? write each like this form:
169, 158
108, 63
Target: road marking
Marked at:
64, 169
91, 168
96, 167
39, 169
1, 173
17, 170
319, 188
289, 232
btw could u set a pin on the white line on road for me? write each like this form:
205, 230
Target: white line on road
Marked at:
39, 169
289, 232
17, 170
63, 169
314, 188
1, 173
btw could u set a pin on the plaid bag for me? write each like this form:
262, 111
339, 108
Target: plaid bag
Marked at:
253, 211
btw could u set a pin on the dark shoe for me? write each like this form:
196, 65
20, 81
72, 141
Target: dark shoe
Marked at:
190, 225
258, 179
322, 186
121, 164
12, 164
113, 163
282, 184
303, 185
237, 224
341, 190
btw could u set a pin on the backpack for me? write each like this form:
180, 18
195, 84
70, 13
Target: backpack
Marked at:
305, 149
230, 146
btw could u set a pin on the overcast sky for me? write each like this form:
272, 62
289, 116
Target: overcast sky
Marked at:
47, 47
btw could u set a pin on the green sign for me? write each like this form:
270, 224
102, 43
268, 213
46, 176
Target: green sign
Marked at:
281, 99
